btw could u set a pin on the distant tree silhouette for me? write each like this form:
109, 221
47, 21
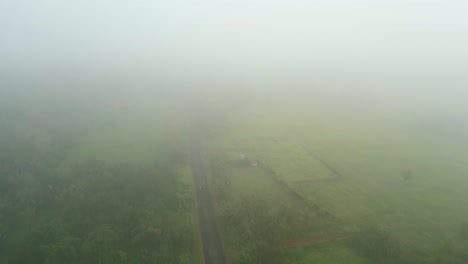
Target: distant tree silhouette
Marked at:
407, 175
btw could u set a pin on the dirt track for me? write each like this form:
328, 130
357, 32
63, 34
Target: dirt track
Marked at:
213, 252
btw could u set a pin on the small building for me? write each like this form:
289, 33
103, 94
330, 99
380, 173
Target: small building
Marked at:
241, 156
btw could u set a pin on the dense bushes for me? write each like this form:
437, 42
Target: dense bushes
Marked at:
451, 252
464, 231
261, 229
377, 245
96, 213
455, 249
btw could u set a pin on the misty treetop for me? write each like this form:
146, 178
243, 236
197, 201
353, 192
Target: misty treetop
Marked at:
90, 211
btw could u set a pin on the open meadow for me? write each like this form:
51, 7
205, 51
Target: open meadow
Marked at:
367, 171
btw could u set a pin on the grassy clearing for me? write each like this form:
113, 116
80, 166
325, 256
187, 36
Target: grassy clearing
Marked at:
419, 212
248, 181
371, 154
326, 252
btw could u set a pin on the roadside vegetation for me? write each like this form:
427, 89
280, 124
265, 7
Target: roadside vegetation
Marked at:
70, 194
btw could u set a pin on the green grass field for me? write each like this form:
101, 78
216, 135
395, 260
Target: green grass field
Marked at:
371, 154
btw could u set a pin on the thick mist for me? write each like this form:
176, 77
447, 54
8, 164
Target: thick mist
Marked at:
233, 131
406, 52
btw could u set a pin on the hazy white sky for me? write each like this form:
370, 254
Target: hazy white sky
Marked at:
410, 36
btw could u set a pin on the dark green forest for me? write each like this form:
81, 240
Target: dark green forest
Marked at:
53, 210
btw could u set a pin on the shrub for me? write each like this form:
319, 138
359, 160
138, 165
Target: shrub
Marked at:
377, 245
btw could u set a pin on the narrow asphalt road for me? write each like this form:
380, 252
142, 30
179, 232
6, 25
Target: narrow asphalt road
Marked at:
212, 247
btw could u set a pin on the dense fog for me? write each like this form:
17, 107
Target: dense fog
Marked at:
185, 131
410, 52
